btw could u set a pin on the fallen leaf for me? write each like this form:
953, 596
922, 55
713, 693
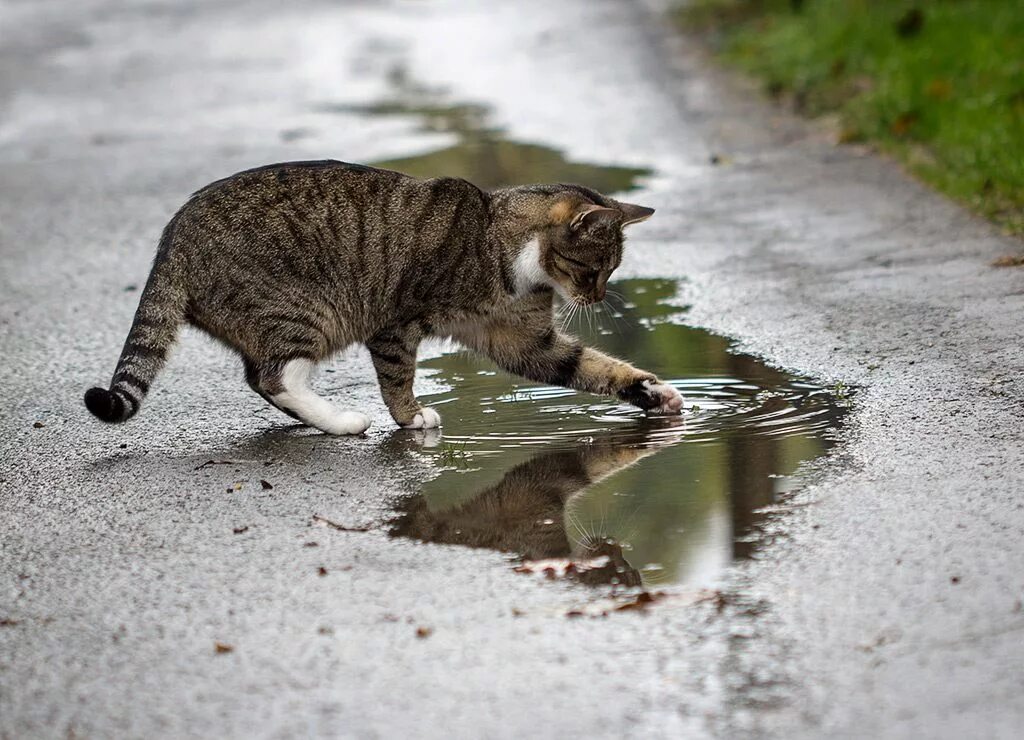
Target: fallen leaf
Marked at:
5, 622
221, 647
311, 544
1009, 260
903, 123
208, 463
241, 530
325, 630
266, 485
321, 571
641, 601
38, 425
423, 632
340, 527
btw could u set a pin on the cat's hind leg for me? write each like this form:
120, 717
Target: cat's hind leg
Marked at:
287, 387
253, 374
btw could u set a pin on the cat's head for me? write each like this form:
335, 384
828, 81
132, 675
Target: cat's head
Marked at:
582, 245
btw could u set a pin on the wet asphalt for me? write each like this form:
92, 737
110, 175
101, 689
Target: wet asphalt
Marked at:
885, 599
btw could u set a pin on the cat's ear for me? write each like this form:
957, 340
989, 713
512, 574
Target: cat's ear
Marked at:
634, 214
591, 214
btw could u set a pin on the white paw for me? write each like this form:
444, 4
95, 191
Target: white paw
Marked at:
668, 399
427, 418
347, 422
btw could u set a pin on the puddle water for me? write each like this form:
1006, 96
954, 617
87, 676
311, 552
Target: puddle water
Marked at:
482, 153
581, 485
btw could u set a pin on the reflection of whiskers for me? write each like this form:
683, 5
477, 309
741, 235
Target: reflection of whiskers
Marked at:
597, 545
580, 534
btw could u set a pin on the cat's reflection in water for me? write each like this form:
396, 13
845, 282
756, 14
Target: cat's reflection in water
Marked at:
527, 513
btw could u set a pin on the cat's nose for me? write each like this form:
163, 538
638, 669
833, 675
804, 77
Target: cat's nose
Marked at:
599, 293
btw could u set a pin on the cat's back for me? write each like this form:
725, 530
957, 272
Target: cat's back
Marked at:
335, 193
303, 180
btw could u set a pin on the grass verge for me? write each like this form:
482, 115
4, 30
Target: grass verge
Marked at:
939, 84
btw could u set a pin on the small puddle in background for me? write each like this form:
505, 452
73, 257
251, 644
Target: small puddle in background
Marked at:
482, 154
583, 486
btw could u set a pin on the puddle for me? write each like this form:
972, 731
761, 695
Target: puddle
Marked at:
482, 152
579, 486
582, 486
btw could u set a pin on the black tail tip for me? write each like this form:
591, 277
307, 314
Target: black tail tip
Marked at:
104, 405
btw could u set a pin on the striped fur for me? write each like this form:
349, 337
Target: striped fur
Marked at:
296, 261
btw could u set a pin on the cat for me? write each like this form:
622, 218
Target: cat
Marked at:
290, 263
527, 511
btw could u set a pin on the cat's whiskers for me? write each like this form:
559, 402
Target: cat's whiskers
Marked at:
573, 308
615, 294
608, 311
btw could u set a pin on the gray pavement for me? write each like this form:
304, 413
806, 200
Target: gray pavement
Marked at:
886, 601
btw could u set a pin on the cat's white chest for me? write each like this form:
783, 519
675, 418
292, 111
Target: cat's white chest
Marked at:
527, 271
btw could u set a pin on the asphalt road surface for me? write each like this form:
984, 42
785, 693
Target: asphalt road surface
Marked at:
885, 600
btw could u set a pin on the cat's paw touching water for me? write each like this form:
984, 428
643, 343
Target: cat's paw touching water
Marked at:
653, 396
670, 400
663, 398
426, 418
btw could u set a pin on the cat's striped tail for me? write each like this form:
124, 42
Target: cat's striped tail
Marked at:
155, 327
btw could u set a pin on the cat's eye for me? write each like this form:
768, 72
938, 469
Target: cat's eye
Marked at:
570, 260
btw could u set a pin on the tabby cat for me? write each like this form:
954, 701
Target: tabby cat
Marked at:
288, 264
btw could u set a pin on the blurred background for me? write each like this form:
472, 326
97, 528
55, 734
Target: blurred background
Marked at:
938, 84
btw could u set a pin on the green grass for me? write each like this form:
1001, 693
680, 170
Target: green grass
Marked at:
939, 84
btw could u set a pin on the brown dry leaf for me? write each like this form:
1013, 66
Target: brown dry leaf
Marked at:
321, 571
38, 425
424, 632
1009, 260
222, 647
241, 530
903, 123
641, 601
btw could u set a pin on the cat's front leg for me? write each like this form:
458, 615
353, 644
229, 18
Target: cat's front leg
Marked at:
394, 358
548, 356
599, 373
